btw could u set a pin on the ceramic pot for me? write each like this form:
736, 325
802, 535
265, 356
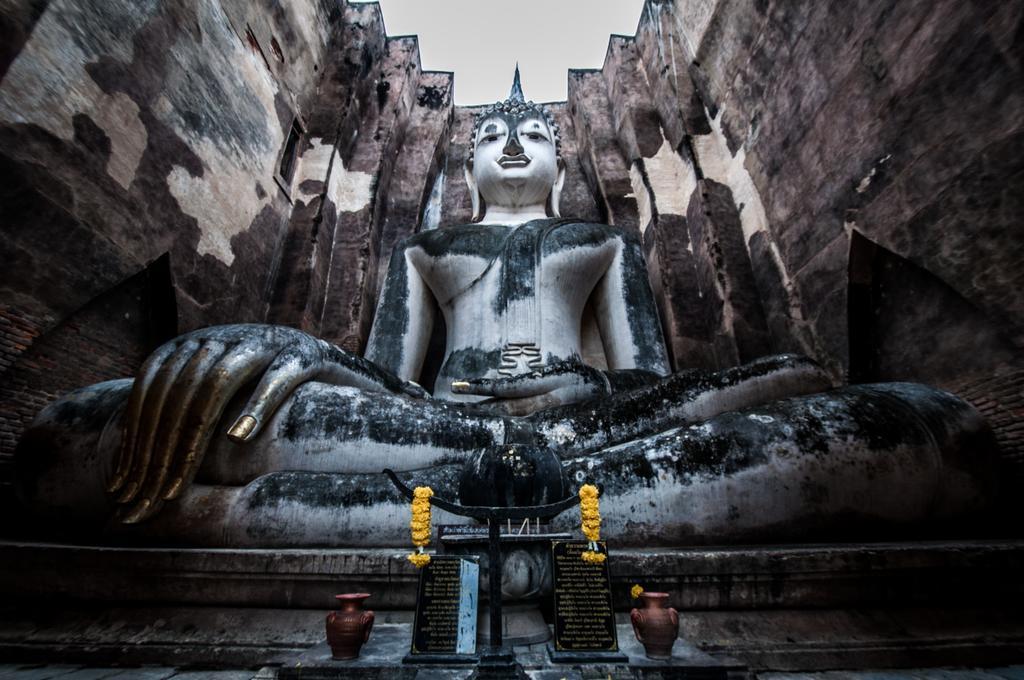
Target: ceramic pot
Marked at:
350, 626
655, 625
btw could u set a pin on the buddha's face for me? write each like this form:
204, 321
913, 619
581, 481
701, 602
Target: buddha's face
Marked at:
514, 160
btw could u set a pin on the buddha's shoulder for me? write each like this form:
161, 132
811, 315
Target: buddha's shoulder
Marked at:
468, 239
487, 239
570, 232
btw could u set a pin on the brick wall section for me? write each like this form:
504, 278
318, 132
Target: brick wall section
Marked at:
18, 330
78, 352
1000, 399
108, 338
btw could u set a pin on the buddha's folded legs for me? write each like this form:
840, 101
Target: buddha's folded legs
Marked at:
67, 457
678, 399
326, 428
869, 461
717, 457
297, 509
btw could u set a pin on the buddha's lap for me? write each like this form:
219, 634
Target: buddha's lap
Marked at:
861, 456
868, 452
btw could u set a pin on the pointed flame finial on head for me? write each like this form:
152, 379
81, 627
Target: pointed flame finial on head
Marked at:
516, 93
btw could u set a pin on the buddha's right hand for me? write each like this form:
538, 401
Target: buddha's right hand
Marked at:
182, 389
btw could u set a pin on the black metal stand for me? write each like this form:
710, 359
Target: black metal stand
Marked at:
497, 661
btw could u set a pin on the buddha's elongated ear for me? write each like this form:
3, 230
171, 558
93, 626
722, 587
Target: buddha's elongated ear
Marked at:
556, 190
479, 207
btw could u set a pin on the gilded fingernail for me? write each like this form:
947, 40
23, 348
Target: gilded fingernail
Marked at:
242, 428
460, 385
139, 513
115, 484
173, 489
128, 493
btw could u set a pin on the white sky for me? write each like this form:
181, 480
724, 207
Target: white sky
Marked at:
481, 40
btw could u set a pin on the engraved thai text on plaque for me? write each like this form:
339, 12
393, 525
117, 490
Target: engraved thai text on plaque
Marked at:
584, 618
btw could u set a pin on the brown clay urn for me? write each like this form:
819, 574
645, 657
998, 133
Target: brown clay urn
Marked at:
655, 625
350, 626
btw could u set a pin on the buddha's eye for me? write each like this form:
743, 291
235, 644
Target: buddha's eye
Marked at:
535, 136
490, 138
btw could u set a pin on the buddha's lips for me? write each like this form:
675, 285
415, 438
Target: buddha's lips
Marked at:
519, 161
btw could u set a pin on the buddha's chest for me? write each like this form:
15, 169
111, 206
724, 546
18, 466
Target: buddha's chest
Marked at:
497, 266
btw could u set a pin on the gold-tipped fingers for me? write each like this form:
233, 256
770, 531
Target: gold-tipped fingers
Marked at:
133, 410
149, 418
230, 374
525, 386
242, 428
179, 397
288, 370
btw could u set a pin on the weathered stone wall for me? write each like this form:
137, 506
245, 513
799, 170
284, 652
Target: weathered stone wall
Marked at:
882, 119
377, 139
131, 130
837, 179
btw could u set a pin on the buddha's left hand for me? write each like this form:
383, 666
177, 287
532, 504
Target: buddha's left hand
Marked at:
566, 382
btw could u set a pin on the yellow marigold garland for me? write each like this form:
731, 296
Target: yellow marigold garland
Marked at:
420, 524
590, 515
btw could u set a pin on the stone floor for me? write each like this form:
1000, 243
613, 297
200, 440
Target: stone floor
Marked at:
69, 672
1004, 673
77, 612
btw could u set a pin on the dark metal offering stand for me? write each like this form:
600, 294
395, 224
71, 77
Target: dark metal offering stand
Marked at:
497, 660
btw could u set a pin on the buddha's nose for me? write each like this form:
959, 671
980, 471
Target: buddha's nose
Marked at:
512, 146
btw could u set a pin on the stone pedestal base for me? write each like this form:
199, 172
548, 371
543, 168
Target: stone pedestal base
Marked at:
869, 605
383, 656
522, 624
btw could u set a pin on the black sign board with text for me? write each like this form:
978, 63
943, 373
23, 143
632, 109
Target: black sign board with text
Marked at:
446, 608
584, 618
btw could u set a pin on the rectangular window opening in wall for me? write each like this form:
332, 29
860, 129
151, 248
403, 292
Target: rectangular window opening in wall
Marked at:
289, 157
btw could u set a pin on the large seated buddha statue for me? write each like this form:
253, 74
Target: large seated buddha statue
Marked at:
256, 435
